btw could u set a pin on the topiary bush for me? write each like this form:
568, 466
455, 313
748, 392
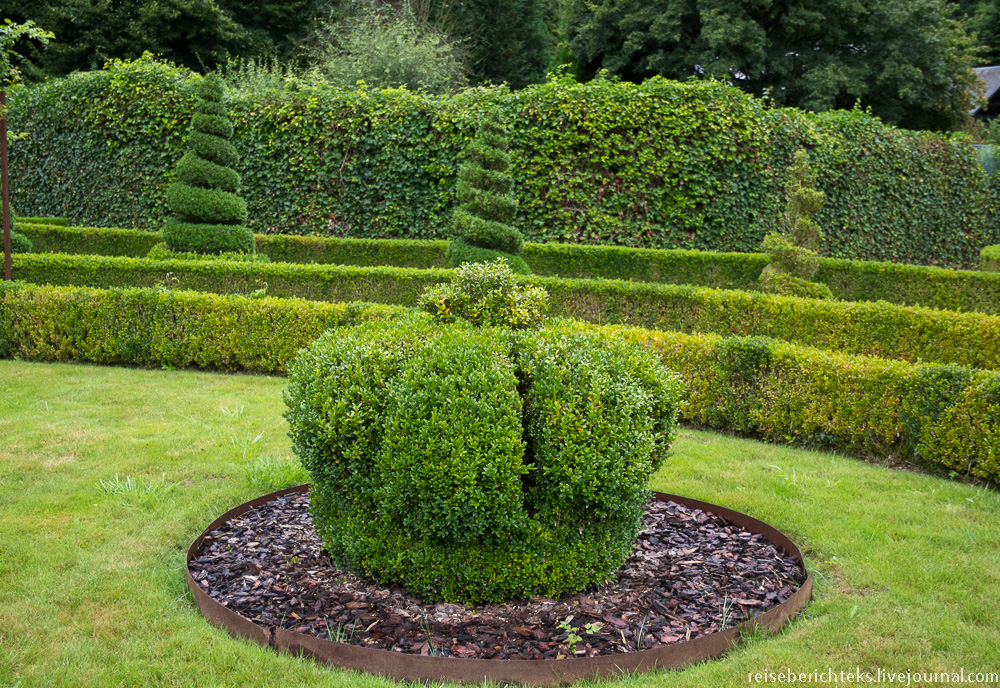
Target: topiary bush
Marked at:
484, 189
486, 294
479, 464
793, 253
208, 213
19, 243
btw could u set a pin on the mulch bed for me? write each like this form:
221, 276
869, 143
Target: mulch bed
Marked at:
690, 574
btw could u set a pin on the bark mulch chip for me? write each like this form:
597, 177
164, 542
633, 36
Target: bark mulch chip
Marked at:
691, 573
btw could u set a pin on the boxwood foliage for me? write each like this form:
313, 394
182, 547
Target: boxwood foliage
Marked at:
869, 328
850, 280
946, 416
479, 464
19, 243
208, 213
660, 165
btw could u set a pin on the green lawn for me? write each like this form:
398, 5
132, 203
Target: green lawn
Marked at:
92, 590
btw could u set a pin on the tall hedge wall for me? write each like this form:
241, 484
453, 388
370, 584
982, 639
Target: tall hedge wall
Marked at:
662, 164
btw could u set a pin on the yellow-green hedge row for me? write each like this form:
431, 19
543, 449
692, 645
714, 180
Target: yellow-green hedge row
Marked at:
850, 280
943, 415
865, 328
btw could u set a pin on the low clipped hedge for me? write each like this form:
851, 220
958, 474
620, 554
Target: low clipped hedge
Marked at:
874, 329
944, 415
58, 221
989, 259
164, 327
850, 280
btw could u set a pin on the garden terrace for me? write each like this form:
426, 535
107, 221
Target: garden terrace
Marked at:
874, 329
942, 415
850, 280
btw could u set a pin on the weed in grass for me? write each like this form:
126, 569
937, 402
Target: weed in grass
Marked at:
271, 473
236, 412
136, 492
247, 447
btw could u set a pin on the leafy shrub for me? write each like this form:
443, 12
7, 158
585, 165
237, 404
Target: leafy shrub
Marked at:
209, 215
479, 465
387, 48
486, 294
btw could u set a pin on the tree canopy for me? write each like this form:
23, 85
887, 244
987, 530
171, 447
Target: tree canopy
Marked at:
193, 33
910, 61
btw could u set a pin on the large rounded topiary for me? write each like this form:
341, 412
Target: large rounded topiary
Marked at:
480, 224
479, 464
209, 215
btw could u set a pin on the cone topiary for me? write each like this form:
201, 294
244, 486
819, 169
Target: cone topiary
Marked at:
479, 225
793, 252
209, 216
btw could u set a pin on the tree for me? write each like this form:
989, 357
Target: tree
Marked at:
509, 40
479, 223
794, 261
209, 215
909, 60
983, 20
198, 34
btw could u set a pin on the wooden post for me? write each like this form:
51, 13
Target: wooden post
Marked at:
5, 183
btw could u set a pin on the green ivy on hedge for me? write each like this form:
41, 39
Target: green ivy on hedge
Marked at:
661, 165
946, 416
867, 328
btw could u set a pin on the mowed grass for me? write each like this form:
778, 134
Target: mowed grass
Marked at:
108, 474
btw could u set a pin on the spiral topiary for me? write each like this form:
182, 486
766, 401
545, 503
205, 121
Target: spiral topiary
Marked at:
480, 464
479, 225
209, 216
794, 261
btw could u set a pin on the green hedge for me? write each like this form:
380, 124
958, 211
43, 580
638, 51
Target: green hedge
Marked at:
989, 259
866, 328
59, 221
944, 415
907, 285
164, 327
661, 165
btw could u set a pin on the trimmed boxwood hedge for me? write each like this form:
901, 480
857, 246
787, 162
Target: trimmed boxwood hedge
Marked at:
850, 280
660, 164
867, 328
944, 415
165, 327
59, 221
989, 259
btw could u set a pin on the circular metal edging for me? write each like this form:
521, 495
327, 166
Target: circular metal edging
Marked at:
533, 672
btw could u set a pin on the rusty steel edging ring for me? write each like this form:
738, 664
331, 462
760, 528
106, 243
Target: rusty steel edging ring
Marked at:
534, 672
